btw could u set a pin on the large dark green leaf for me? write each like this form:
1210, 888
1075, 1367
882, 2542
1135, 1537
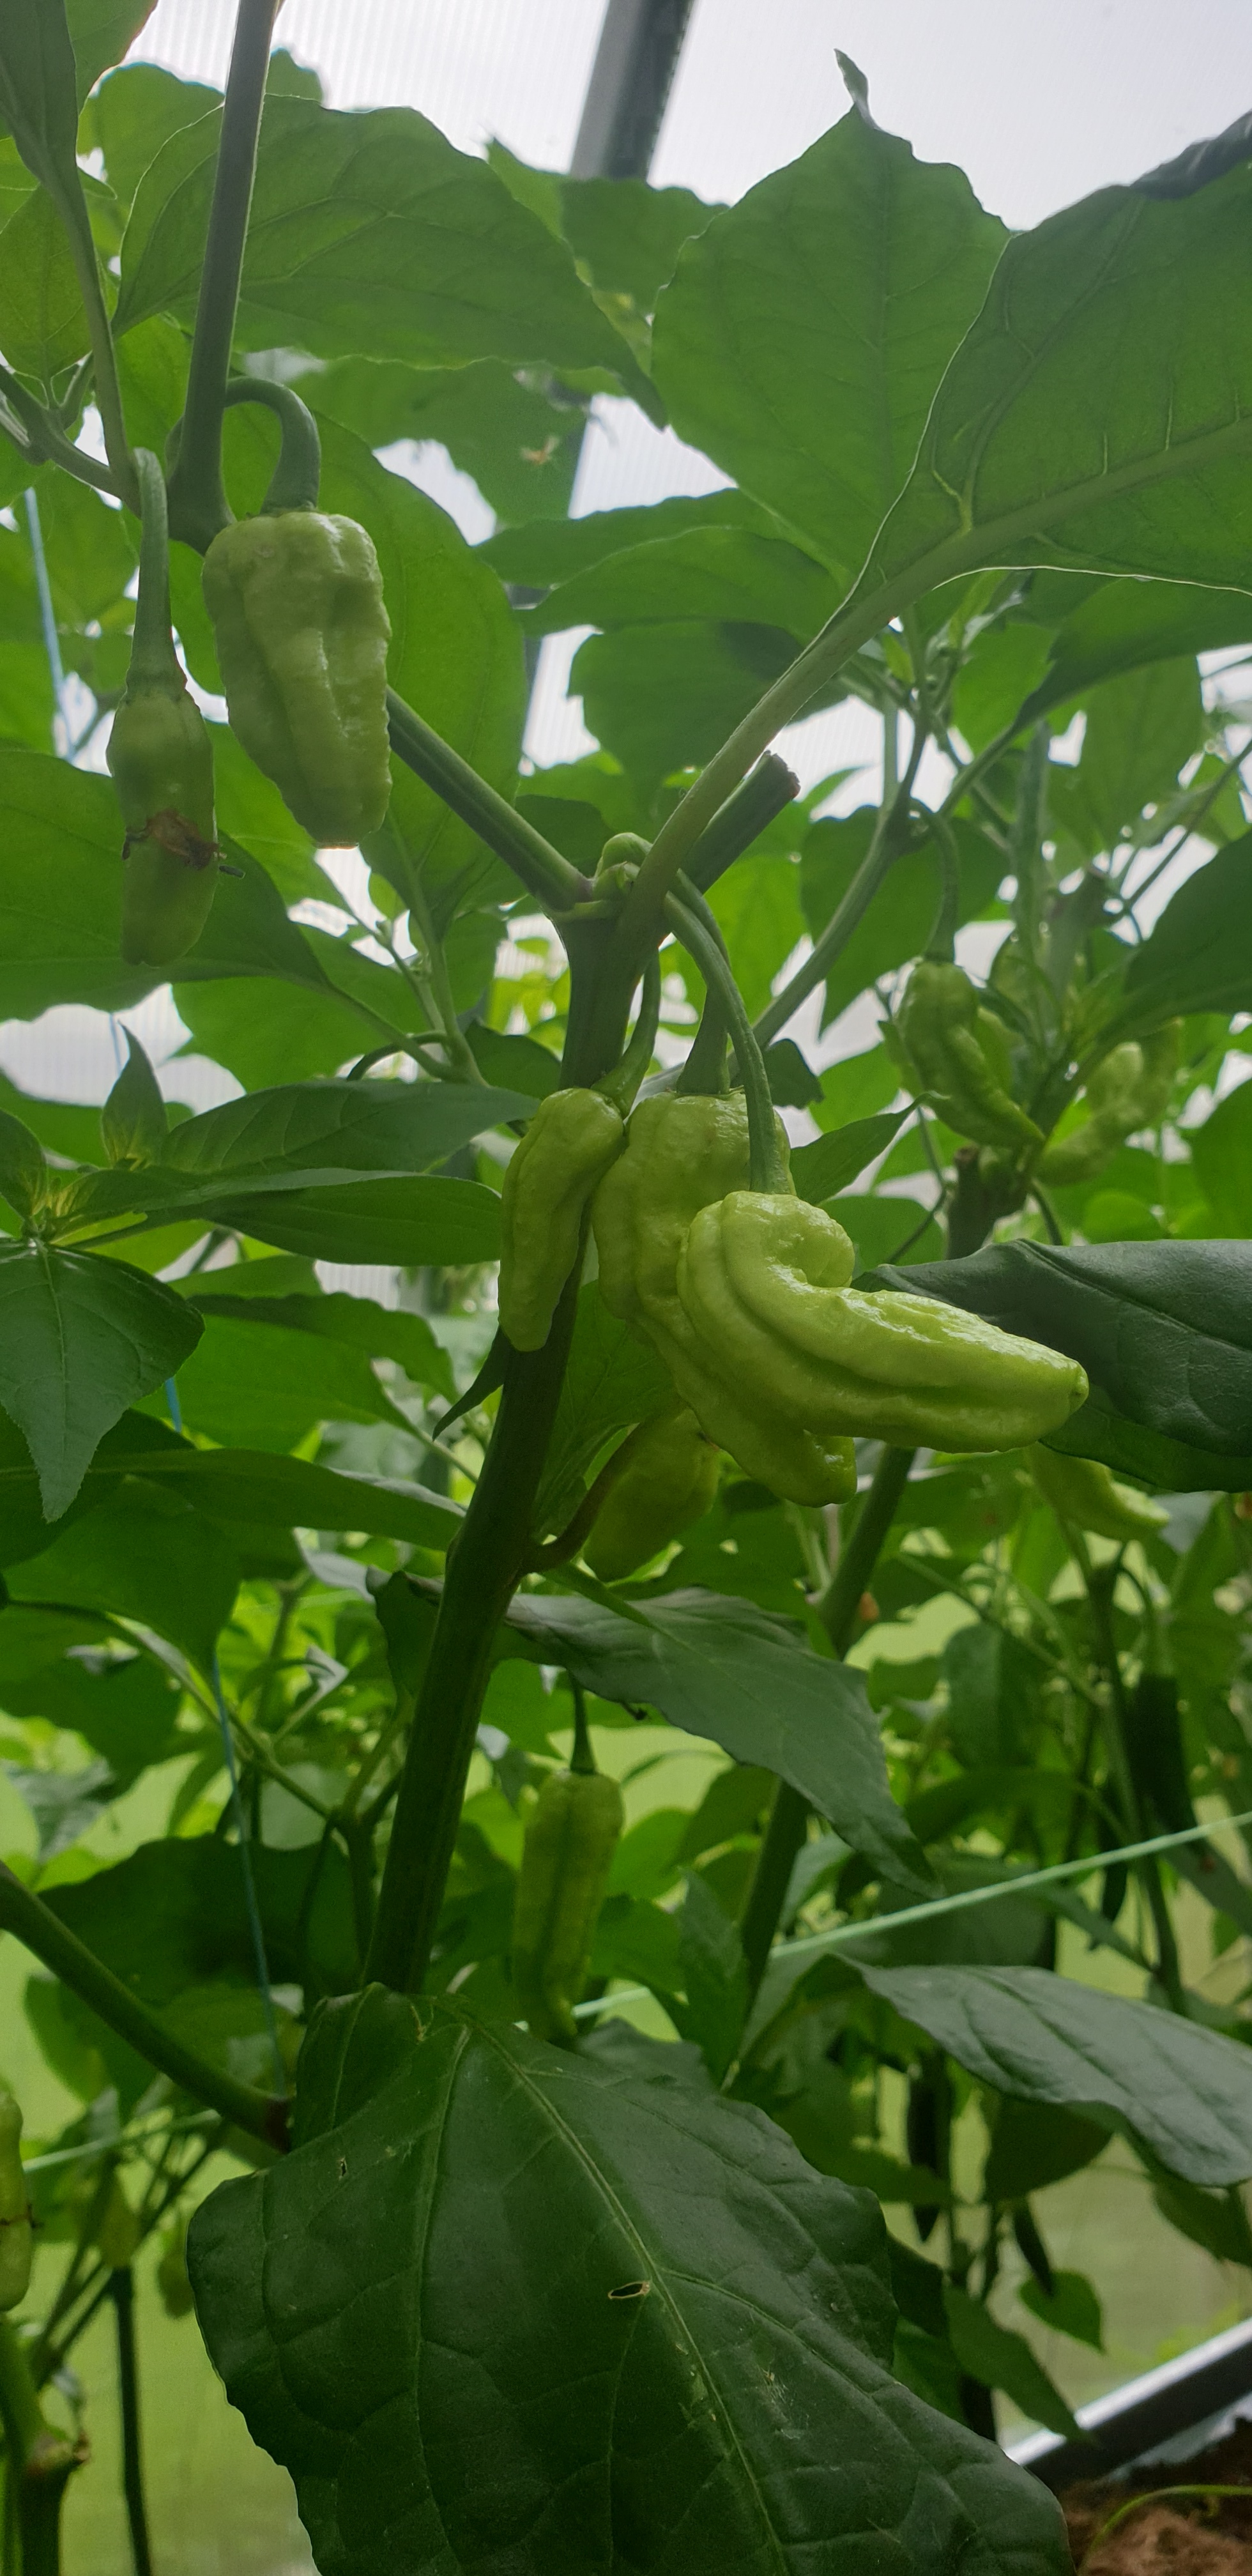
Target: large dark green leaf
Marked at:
1163, 1330
719, 1667
806, 330
1199, 956
629, 235
61, 904
611, 2288
385, 1332
1182, 2092
368, 232
256, 1384
350, 1126
175, 1915
80, 1340
1221, 1152
831, 1161
1125, 624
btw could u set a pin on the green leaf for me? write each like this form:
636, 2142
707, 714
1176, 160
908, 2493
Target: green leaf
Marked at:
628, 234
1199, 956
718, 1667
126, 1711
1181, 2092
615, 2219
134, 1127
135, 111
253, 1487
1124, 625
1219, 1152
1163, 1330
1098, 414
714, 1975
517, 441
1072, 2309
1141, 729
60, 909
661, 698
554, 550
831, 1161
757, 908
384, 1332
803, 338
142, 1555
1034, 2144
353, 1126
368, 232
999, 2358
405, 1224
716, 572
174, 1916
1219, 2224
81, 1340
101, 32
254, 1383
266, 1033
43, 326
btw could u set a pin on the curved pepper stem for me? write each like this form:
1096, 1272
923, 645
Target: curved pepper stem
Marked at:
622, 1083
941, 945
296, 479
153, 661
768, 1171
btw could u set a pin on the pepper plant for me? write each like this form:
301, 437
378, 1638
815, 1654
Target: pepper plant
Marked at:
536, 2169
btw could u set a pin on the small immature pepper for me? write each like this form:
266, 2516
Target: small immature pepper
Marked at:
1129, 1090
569, 1145
568, 1853
301, 630
956, 1053
1083, 1491
16, 2236
161, 760
669, 1482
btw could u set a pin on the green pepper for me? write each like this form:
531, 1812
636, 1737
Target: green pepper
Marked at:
684, 1150
956, 1055
566, 1859
569, 1145
1129, 1090
1083, 1491
161, 760
296, 601
668, 1482
173, 2279
16, 2237
762, 1283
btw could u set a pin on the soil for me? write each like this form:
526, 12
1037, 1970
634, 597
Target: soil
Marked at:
1181, 2536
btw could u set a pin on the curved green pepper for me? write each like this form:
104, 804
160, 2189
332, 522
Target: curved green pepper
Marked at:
1083, 1491
763, 1285
956, 1054
569, 1145
566, 1859
16, 2237
173, 2279
668, 1483
684, 1150
301, 630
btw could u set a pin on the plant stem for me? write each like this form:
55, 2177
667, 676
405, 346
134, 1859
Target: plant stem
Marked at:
543, 871
837, 1610
153, 660
768, 1171
483, 1569
40, 2461
767, 792
198, 503
1101, 1583
33, 1923
297, 476
122, 2292
891, 832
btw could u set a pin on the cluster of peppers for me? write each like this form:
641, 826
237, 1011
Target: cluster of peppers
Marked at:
301, 632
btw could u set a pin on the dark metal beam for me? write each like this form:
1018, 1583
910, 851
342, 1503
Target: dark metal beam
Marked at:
630, 82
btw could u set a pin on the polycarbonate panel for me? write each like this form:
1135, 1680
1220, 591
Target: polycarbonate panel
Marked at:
516, 69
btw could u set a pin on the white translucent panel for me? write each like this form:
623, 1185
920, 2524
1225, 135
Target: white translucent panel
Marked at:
513, 68
1038, 105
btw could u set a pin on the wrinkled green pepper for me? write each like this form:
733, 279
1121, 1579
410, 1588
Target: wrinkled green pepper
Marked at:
16, 2238
1083, 1491
1129, 1090
569, 1145
668, 1483
955, 1053
683, 1151
301, 630
566, 1859
763, 1285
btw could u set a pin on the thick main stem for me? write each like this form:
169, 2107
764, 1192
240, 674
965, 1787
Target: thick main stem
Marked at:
122, 2292
1101, 1583
198, 503
837, 1610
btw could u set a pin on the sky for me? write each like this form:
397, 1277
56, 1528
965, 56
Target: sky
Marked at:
1039, 101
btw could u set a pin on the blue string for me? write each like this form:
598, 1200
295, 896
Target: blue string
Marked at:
176, 1410
249, 1882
